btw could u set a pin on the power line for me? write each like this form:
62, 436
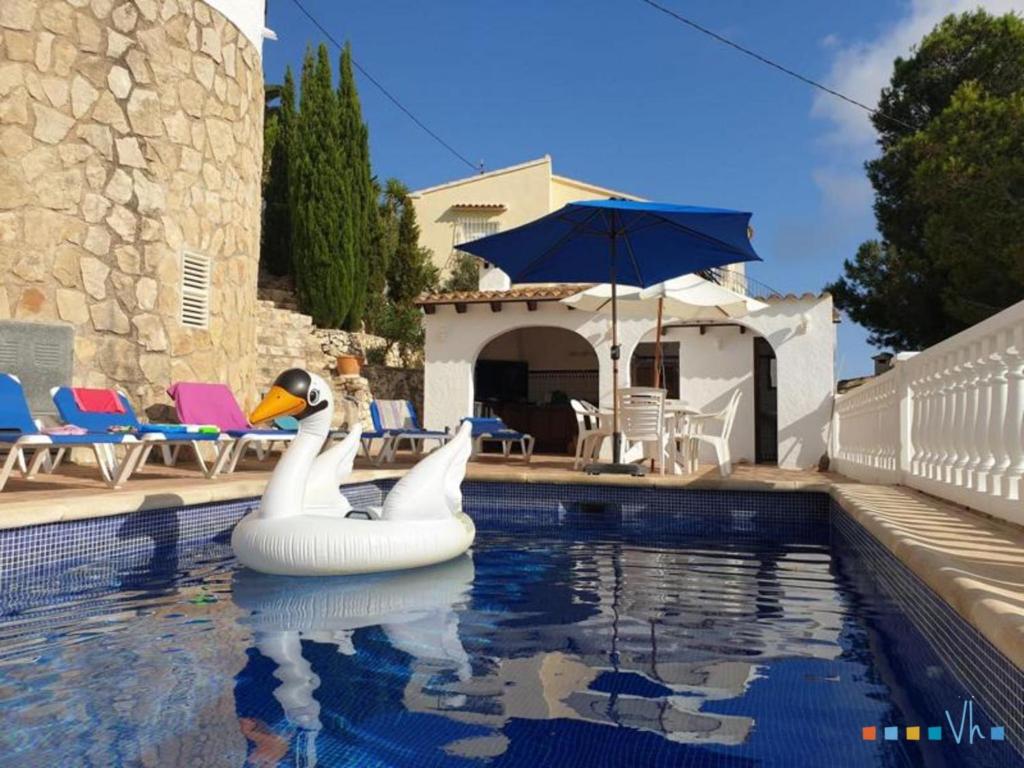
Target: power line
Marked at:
393, 99
773, 64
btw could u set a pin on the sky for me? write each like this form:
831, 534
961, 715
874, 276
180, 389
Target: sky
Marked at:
625, 97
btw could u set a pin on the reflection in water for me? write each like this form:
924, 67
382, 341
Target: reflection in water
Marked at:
663, 633
415, 610
608, 633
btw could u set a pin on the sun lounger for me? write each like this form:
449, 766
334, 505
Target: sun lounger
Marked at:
204, 403
170, 438
28, 448
493, 429
395, 421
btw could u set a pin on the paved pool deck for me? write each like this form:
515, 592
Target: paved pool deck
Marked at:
976, 563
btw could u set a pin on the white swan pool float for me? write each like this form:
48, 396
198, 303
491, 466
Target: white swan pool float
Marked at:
302, 527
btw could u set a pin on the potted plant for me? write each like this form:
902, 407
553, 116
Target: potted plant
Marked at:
348, 365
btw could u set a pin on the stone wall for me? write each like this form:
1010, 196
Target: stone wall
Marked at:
389, 383
336, 342
129, 132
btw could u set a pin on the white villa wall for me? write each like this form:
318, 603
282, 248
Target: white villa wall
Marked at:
711, 366
800, 330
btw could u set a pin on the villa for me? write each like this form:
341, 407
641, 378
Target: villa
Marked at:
781, 359
221, 546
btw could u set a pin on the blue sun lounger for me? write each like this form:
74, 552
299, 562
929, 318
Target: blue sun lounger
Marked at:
395, 421
493, 429
28, 448
170, 438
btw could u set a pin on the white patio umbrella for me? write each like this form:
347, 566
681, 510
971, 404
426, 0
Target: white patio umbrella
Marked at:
688, 297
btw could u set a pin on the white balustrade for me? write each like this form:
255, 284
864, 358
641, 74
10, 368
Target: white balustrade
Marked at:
866, 427
949, 421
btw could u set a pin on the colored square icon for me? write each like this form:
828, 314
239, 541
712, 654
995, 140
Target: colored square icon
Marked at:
998, 733
935, 733
868, 733
913, 733
892, 733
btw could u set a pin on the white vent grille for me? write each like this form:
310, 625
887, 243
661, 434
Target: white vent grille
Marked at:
195, 290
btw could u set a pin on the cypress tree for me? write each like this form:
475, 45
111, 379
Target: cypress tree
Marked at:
383, 234
410, 270
318, 196
276, 245
359, 214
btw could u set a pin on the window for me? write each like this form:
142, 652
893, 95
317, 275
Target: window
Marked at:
473, 228
195, 290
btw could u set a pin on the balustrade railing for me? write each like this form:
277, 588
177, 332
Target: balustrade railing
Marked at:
867, 439
949, 421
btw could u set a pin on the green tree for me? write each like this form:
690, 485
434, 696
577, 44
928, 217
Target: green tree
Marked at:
947, 184
408, 272
360, 210
410, 269
382, 240
465, 274
276, 239
317, 193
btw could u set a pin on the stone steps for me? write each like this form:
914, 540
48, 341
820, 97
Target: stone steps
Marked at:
284, 339
282, 298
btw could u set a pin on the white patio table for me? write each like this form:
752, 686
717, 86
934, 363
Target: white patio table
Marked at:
676, 415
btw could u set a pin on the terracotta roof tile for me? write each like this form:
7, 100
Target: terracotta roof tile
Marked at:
519, 293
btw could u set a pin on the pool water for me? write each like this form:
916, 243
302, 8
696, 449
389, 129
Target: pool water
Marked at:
574, 635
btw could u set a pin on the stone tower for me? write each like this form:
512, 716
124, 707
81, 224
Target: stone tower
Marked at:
131, 136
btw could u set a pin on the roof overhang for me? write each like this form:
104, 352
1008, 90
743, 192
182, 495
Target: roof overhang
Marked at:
531, 295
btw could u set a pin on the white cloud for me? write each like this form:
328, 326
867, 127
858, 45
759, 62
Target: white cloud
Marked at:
844, 193
861, 69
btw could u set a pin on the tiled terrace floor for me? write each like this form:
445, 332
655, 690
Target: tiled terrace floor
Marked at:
975, 563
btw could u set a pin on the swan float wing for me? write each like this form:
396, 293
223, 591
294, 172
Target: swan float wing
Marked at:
430, 490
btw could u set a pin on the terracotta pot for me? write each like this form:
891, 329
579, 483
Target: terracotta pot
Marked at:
348, 365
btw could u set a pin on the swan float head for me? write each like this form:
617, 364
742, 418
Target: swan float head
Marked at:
304, 479
301, 394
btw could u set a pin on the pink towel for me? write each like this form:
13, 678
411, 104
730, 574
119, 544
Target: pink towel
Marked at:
201, 403
97, 400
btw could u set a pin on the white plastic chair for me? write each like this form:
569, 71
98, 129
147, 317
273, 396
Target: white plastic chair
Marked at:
695, 435
642, 420
591, 433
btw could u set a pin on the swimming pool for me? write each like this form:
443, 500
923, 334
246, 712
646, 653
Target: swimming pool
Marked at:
589, 626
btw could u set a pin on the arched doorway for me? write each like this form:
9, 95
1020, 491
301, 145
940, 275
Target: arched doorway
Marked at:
527, 377
703, 364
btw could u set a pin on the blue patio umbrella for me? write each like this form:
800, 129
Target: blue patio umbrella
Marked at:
618, 241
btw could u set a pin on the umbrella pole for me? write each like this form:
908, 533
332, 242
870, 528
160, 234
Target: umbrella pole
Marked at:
657, 346
616, 438
616, 467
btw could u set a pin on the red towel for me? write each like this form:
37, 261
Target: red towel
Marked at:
97, 400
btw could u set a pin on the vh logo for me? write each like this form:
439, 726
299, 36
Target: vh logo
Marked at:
964, 731
967, 724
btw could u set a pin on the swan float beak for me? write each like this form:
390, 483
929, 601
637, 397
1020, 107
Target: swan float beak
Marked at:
278, 402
